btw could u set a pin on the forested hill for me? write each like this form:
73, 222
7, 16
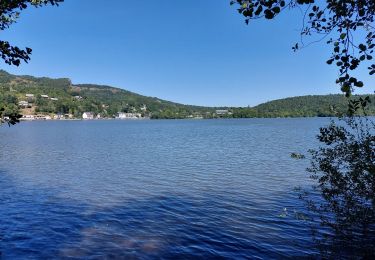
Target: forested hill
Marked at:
303, 106
67, 98
31, 95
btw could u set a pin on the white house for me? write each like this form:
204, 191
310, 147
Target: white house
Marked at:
23, 103
143, 108
44, 96
27, 118
54, 99
122, 115
88, 115
222, 112
42, 117
29, 95
58, 116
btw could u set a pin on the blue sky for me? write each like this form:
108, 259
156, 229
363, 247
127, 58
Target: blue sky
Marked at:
191, 52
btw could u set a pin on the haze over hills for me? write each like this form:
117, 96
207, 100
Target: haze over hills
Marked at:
31, 95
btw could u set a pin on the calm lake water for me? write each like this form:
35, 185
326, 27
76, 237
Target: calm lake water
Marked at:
154, 189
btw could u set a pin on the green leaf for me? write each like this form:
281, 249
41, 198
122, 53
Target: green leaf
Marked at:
358, 84
269, 14
276, 9
362, 47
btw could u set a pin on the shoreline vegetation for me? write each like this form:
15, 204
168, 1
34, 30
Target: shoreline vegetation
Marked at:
59, 99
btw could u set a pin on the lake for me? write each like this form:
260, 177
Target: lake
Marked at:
154, 189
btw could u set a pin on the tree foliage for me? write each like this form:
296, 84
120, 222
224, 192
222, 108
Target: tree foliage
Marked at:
10, 118
344, 170
306, 106
76, 99
348, 25
107, 101
9, 13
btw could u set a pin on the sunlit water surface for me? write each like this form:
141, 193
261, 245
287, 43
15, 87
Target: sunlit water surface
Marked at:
154, 189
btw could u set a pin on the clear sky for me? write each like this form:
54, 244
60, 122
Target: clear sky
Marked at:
192, 52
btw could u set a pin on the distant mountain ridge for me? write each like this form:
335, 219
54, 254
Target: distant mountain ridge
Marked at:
33, 95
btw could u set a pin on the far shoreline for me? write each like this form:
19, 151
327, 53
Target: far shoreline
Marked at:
174, 119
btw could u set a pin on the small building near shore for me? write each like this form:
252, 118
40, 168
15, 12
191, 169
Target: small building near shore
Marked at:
23, 104
122, 115
221, 112
42, 117
58, 116
88, 115
27, 118
68, 116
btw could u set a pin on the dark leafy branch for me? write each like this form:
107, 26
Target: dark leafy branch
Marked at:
10, 119
350, 23
344, 170
13, 55
9, 13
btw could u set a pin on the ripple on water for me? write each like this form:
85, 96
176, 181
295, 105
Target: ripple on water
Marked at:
209, 189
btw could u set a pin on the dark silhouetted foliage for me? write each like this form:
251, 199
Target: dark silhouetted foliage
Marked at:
344, 170
348, 25
9, 12
10, 119
13, 55
344, 167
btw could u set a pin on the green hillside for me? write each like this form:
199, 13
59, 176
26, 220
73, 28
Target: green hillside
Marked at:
303, 106
61, 96
76, 99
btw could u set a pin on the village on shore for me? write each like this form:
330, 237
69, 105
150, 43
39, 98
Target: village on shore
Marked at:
85, 116
28, 113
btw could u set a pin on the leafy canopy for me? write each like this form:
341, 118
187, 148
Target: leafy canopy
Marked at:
9, 13
348, 25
